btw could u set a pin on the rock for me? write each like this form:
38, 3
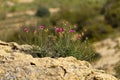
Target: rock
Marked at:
25, 1
54, 10
109, 50
15, 64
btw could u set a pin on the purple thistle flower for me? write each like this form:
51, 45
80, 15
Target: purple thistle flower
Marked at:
62, 30
42, 27
26, 30
58, 30
72, 30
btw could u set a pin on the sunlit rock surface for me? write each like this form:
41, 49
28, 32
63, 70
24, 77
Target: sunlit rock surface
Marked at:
109, 50
15, 64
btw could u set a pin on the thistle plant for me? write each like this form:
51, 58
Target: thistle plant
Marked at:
58, 41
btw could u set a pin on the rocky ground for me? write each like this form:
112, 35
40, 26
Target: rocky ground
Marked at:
25, 1
16, 64
110, 52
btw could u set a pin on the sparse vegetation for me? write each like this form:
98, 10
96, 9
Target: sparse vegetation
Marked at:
97, 30
117, 69
78, 13
42, 12
2, 15
112, 14
59, 41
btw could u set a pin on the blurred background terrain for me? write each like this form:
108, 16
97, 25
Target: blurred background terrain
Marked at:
101, 19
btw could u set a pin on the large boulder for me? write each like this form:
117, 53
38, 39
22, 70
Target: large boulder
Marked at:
16, 64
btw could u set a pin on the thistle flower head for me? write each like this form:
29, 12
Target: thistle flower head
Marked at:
59, 29
62, 29
42, 27
26, 30
72, 30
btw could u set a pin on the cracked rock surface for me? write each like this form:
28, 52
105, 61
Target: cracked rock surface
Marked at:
15, 64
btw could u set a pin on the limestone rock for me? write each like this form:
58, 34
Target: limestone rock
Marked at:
109, 50
15, 64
